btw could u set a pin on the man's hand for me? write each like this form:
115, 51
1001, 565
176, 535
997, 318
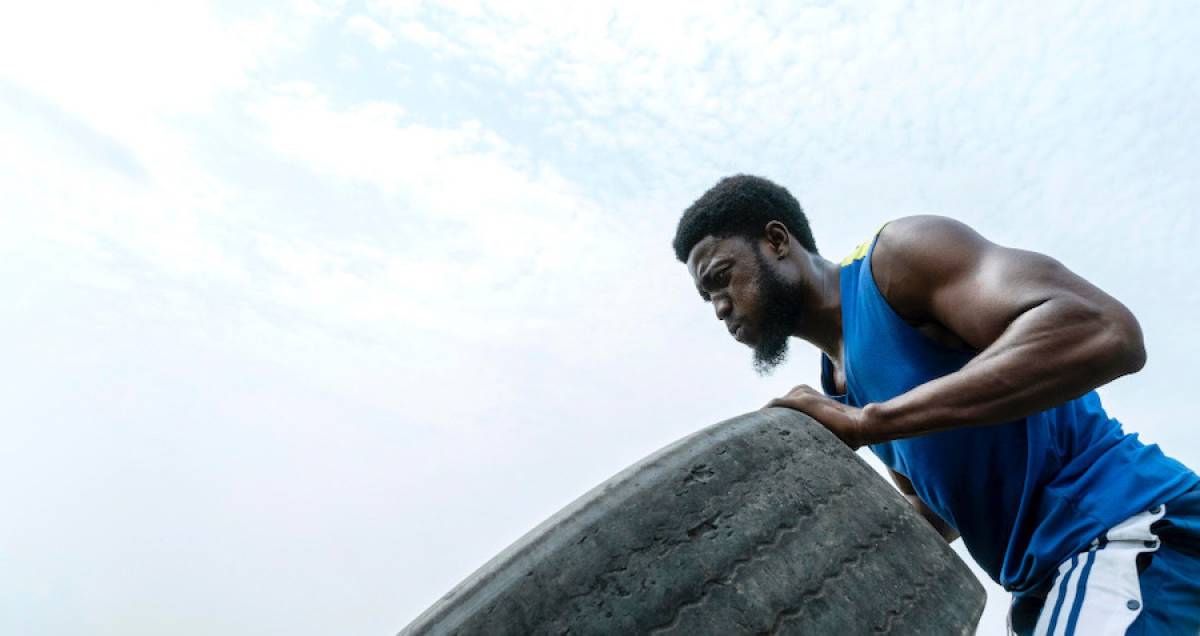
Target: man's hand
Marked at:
842, 420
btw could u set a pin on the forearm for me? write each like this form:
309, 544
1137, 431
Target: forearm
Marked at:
1050, 354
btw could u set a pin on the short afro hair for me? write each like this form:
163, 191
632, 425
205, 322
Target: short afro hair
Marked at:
740, 205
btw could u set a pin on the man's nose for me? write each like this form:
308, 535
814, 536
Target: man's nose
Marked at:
723, 307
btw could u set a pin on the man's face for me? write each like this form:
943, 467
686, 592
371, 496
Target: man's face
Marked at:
758, 307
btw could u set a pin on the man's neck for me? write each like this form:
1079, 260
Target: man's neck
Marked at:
823, 321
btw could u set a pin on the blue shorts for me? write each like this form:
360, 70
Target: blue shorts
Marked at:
1141, 577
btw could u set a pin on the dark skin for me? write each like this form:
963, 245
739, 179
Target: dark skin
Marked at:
1042, 335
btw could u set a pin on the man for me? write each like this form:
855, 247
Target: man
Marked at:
969, 369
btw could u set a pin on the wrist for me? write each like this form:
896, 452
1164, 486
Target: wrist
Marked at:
871, 424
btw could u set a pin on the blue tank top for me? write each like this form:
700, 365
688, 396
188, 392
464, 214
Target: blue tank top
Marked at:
1023, 495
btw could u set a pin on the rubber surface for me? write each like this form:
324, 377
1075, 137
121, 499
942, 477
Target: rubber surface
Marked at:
762, 524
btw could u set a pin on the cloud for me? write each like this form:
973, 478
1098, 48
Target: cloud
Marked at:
500, 220
458, 286
87, 140
135, 82
395, 8
362, 26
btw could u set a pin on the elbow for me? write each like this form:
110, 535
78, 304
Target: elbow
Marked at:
1115, 346
1128, 347
1135, 355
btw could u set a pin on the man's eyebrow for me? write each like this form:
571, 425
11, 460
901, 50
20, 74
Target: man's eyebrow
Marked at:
704, 278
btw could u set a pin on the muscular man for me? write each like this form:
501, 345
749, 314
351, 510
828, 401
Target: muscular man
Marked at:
969, 369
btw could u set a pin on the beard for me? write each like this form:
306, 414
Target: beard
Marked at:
781, 314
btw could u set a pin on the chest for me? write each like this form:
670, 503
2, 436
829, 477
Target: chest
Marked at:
940, 335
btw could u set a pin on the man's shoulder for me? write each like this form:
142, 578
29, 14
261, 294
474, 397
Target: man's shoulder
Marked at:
924, 247
919, 234
900, 235
916, 256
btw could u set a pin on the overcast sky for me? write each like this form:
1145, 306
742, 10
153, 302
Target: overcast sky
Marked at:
313, 307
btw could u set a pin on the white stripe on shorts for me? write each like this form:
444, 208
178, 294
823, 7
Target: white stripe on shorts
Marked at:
1102, 594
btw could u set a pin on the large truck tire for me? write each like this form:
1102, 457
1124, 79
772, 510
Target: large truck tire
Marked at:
762, 524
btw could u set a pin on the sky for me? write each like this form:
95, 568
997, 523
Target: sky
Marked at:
315, 306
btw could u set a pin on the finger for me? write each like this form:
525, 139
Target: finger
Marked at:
790, 402
783, 402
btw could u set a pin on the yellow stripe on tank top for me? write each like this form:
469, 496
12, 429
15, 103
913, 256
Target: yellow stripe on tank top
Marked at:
862, 249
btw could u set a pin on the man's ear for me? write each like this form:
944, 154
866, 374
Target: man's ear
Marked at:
779, 240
